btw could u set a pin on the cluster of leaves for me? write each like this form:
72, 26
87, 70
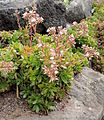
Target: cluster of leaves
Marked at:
96, 29
100, 39
42, 66
89, 33
28, 74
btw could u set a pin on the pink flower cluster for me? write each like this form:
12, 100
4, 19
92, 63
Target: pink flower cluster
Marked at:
32, 17
51, 71
50, 66
6, 66
51, 30
54, 57
82, 28
90, 52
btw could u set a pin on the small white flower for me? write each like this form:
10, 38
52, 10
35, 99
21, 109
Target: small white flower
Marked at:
41, 19
39, 45
61, 32
87, 54
25, 14
56, 72
51, 58
54, 63
33, 20
63, 59
51, 30
52, 50
84, 45
61, 51
75, 23
63, 66
97, 53
52, 66
72, 35
31, 11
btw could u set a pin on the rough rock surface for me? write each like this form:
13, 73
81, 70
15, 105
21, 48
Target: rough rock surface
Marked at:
52, 11
88, 88
78, 9
85, 101
8, 20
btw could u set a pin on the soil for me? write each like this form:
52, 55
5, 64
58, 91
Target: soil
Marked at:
11, 107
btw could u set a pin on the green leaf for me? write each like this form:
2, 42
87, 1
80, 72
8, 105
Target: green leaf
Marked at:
36, 108
51, 107
25, 95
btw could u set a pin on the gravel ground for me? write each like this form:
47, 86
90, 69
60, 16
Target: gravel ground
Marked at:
11, 108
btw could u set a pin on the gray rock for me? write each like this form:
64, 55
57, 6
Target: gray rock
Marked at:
52, 11
8, 20
78, 10
85, 101
88, 87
